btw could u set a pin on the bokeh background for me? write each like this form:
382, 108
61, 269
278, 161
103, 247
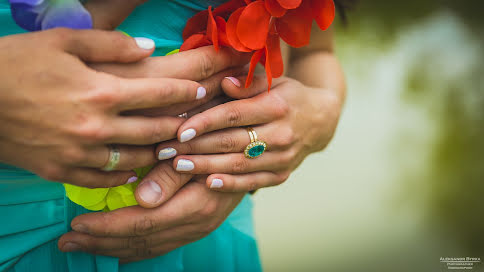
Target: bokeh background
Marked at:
402, 183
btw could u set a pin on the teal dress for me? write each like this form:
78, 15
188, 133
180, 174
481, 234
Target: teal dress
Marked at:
34, 212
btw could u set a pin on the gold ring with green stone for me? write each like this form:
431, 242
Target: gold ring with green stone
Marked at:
256, 147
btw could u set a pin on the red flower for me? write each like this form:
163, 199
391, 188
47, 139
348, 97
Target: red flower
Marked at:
257, 27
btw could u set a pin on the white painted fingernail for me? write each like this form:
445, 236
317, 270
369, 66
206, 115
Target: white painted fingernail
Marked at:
132, 179
187, 135
166, 153
149, 191
235, 81
201, 92
184, 165
217, 183
145, 43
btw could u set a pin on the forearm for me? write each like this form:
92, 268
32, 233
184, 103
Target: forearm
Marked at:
320, 69
316, 64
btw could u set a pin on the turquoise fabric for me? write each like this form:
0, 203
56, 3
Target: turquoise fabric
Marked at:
34, 212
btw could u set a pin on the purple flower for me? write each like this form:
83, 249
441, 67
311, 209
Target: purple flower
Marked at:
34, 15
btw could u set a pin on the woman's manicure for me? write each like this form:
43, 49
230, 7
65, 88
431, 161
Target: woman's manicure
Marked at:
70, 246
132, 179
166, 153
187, 135
184, 165
217, 183
201, 92
145, 43
235, 81
149, 191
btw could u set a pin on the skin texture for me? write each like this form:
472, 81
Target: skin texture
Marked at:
304, 111
190, 210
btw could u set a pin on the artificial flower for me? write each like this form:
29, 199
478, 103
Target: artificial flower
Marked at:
34, 15
257, 27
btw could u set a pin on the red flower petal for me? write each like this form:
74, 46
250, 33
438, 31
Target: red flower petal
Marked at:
275, 8
222, 31
195, 41
323, 12
196, 24
253, 25
295, 27
232, 32
290, 4
226, 9
274, 56
212, 32
253, 63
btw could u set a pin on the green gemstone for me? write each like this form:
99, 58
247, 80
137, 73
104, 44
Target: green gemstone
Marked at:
256, 151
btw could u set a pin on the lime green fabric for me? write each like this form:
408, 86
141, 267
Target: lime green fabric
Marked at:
34, 212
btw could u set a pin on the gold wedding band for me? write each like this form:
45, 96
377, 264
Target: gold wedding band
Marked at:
114, 157
256, 147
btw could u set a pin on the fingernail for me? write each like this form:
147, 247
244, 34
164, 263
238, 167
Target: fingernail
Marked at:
166, 153
80, 228
234, 80
145, 43
217, 183
149, 191
187, 135
184, 165
69, 247
132, 179
201, 92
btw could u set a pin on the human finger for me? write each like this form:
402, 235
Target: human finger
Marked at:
233, 163
232, 140
131, 157
256, 110
245, 182
159, 185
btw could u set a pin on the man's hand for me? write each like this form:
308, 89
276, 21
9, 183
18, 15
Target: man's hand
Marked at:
135, 233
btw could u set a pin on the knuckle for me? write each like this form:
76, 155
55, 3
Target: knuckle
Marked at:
103, 94
280, 106
286, 138
226, 143
240, 165
73, 155
138, 242
144, 252
91, 130
287, 158
157, 133
207, 65
61, 34
209, 210
205, 123
52, 172
168, 177
234, 117
144, 226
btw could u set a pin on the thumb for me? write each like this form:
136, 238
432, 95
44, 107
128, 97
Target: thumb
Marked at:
104, 46
161, 183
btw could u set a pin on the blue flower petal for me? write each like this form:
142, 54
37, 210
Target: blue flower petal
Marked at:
71, 14
26, 13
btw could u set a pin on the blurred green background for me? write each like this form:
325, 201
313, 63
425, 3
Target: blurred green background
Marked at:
402, 183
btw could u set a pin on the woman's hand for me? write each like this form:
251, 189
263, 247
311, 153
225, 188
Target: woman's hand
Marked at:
293, 119
135, 233
58, 115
